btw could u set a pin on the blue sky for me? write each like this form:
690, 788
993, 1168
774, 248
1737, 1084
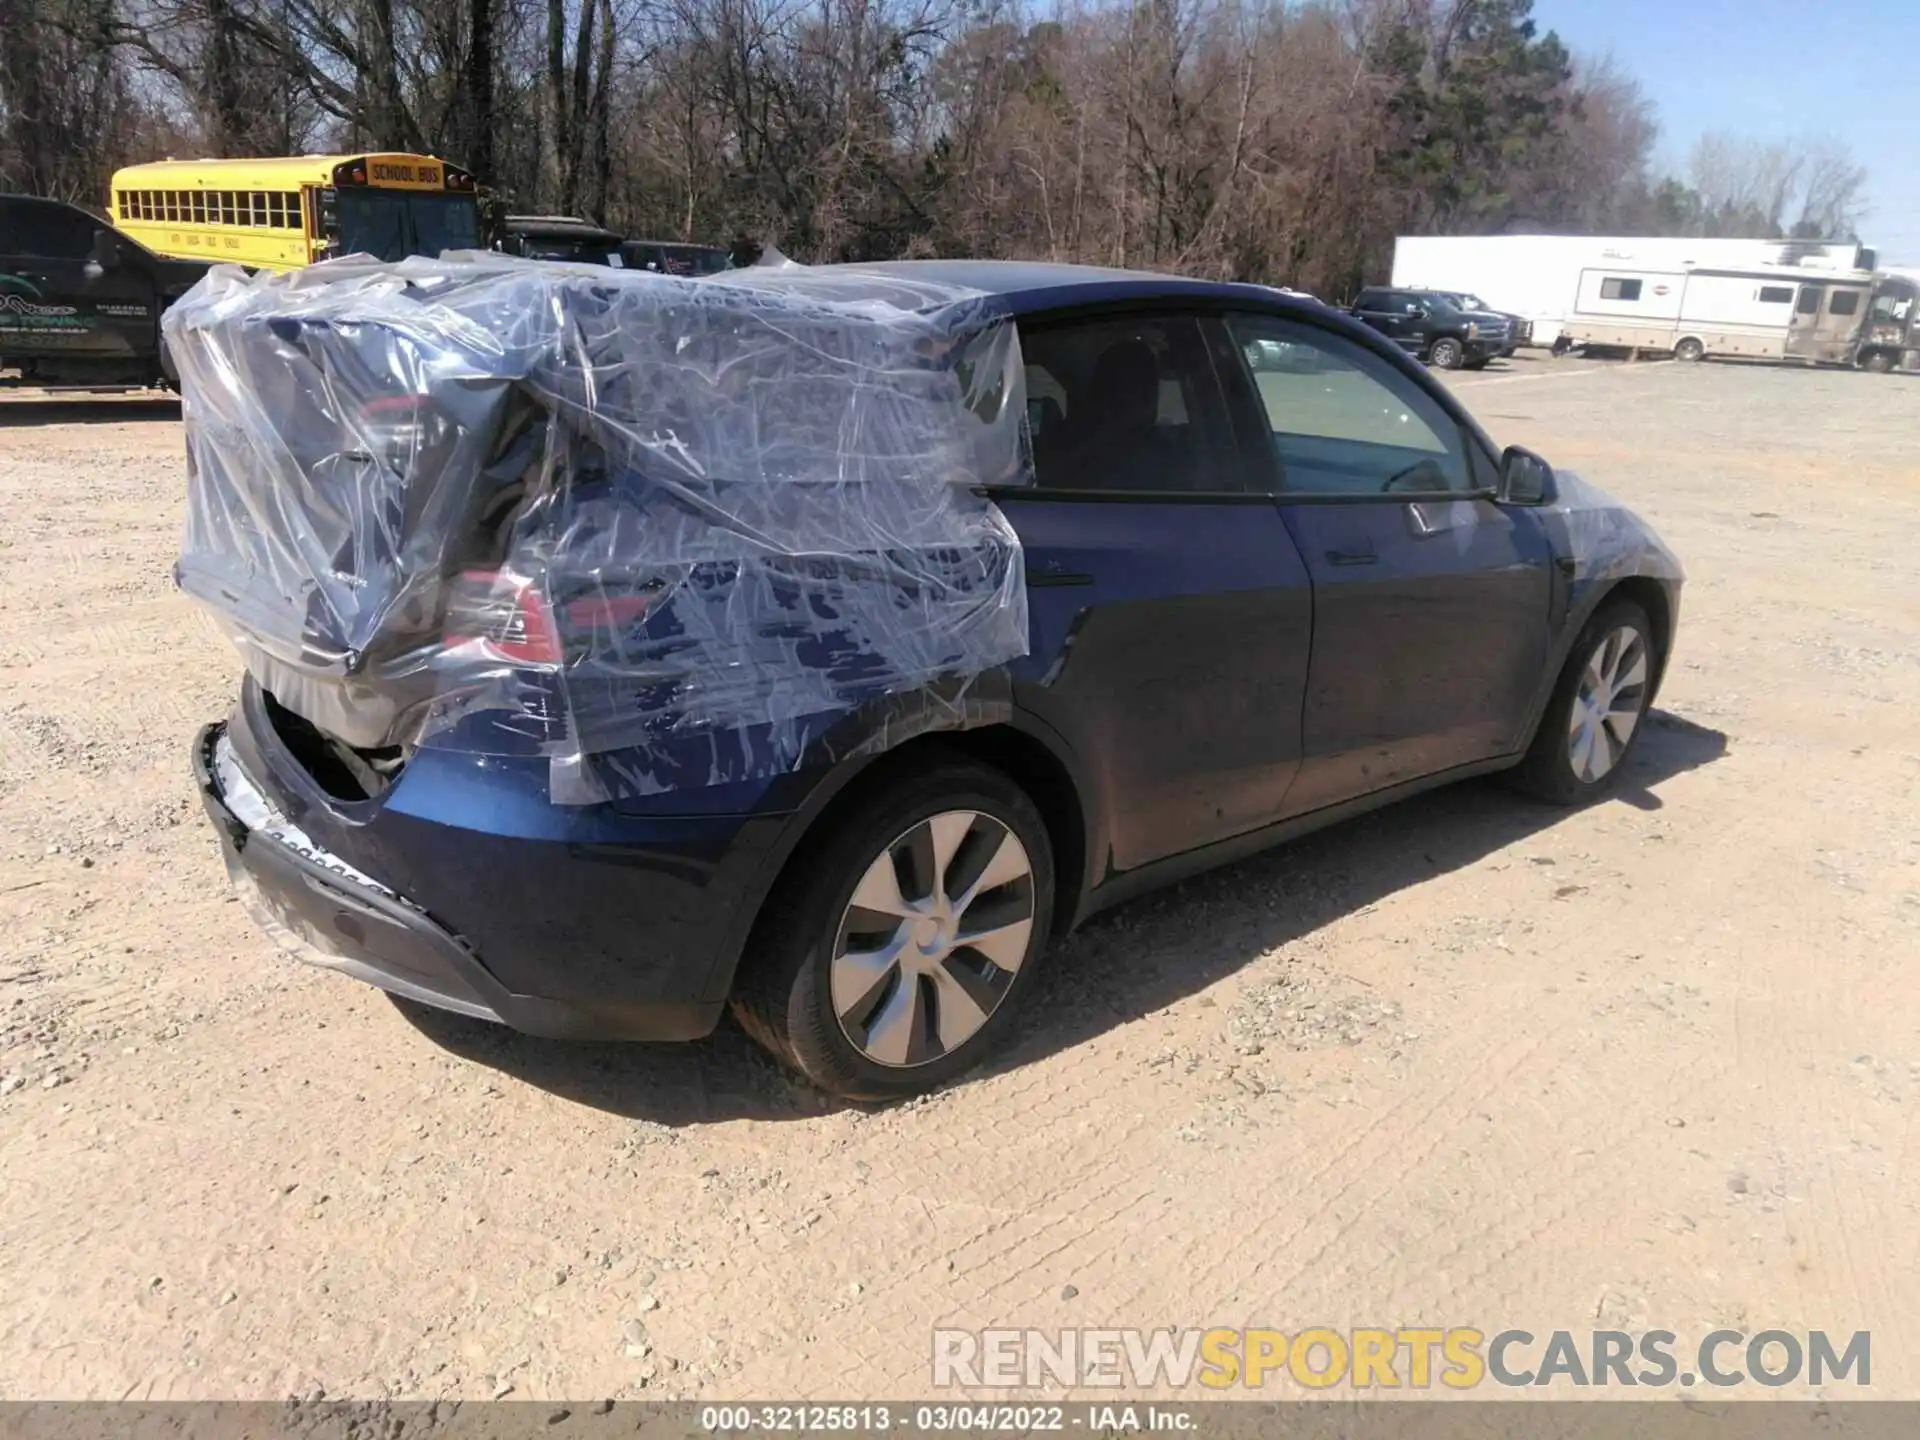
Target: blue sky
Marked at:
1773, 69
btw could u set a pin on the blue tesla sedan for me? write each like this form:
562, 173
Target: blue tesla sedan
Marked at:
1273, 576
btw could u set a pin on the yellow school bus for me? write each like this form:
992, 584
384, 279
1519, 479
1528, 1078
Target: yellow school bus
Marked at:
280, 214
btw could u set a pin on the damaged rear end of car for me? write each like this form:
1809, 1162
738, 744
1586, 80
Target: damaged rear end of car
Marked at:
550, 590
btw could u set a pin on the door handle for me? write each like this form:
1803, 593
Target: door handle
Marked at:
1353, 557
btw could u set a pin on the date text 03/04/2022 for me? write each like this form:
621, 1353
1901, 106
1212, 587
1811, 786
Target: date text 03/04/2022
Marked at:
944, 1419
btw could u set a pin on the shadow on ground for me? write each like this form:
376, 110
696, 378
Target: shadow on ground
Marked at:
1102, 976
88, 410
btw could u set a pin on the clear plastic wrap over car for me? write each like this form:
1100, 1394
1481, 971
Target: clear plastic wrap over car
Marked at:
682, 525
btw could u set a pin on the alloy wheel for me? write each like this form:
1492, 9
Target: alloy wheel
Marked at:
931, 941
1608, 703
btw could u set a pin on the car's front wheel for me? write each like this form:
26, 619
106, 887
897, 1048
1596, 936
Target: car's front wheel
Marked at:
1595, 716
893, 957
1447, 353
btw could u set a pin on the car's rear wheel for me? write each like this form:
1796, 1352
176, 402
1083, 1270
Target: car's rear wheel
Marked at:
1690, 351
893, 958
1595, 716
1446, 353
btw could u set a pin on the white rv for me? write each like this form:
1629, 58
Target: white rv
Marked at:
1537, 276
1772, 312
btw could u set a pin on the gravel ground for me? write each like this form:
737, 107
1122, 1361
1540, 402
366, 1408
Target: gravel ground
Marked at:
1465, 1062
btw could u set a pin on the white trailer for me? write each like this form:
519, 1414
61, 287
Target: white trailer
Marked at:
1771, 312
1537, 276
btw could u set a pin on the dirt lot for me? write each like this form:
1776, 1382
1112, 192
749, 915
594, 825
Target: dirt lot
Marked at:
1465, 1062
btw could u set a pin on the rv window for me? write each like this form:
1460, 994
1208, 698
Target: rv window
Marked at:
1844, 302
1617, 289
1809, 300
1891, 309
1776, 294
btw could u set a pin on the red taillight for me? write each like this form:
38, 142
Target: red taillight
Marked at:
503, 614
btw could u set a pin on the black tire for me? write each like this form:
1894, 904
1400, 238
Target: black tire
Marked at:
1876, 362
783, 995
1690, 351
1548, 772
1446, 353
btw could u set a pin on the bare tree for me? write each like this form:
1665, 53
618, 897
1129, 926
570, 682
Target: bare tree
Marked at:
1832, 193
1280, 140
1809, 186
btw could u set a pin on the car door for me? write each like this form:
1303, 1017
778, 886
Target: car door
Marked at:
1384, 311
1430, 600
1170, 613
1417, 324
54, 294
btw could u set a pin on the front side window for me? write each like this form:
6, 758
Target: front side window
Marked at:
1891, 309
1349, 423
1126, 406
1618, 288
45, 227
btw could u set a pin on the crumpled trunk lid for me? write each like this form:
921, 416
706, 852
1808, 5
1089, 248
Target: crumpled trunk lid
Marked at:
517, 508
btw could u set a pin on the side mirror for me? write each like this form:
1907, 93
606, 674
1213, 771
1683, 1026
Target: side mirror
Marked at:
106, 249
1525, 479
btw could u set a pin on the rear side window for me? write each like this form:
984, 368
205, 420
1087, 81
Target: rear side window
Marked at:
1344, 421
1844, 302
1615, 287
1126, 406
1373, 300
1809, 300
1776, 294
46, 227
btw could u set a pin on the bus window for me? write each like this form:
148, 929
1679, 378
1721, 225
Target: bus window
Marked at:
393, 224
372, 223
444, 222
